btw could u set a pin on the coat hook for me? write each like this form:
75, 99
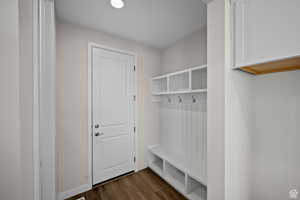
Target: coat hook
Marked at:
180, 100
169, 99
194, 100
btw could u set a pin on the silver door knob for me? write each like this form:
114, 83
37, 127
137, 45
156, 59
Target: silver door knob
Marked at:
97, 126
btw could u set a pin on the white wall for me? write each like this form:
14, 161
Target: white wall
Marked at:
276, 135
26, 97
238, 136
191, 51
263, 135
72, 100
10, 170
216, 100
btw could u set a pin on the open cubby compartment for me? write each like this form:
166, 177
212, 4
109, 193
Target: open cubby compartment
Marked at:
160, 85
175, 177
179, 81
195, 190
156, 164
199, 78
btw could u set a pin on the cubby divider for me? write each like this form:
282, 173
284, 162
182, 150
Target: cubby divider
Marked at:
156, 164
175, 177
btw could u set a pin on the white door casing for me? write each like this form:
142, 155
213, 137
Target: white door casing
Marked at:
112, 114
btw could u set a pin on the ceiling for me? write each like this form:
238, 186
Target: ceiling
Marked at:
157, 23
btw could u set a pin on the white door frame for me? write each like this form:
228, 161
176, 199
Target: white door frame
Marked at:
36, 69
91, 45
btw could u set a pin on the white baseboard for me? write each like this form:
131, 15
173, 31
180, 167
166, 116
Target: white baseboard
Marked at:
73, 192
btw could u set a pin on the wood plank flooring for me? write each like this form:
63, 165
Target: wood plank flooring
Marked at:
143, 185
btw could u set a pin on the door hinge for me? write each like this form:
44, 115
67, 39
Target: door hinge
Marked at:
134, 159
134, 68
134, 129
134, 97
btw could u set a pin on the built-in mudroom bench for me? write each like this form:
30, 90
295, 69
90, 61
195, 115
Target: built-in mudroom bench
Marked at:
180, 157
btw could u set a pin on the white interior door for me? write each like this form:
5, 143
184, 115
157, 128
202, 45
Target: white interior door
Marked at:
112, 114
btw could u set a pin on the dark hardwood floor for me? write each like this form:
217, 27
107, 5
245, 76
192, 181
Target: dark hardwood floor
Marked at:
143, 185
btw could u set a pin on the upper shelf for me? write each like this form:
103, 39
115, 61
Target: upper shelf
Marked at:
193, 80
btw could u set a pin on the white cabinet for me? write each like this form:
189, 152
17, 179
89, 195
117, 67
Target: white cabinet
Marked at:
265, 31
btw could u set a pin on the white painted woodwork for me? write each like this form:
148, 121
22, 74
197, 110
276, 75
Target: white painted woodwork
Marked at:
46, 101
265, 31
180, 158
174, 170
191, 80
113, 112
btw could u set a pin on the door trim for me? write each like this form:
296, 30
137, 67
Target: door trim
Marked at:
36, 118
91, 45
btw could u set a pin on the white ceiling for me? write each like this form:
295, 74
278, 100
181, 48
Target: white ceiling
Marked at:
157, 23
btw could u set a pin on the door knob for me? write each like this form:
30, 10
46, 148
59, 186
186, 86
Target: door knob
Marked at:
98, 134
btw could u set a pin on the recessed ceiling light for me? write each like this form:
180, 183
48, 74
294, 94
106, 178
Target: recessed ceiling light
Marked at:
117, 3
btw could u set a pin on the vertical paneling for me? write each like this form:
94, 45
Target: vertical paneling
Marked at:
183, 128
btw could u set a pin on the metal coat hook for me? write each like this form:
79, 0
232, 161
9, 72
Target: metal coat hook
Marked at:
180, 100
194, 99
169, 99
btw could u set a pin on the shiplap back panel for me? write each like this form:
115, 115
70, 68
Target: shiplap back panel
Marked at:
184, 128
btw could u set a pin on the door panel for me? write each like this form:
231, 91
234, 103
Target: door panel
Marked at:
112, 97
113, 114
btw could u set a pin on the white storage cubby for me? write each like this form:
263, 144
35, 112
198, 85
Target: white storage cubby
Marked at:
175, 177
195, 190
191, 80
199, 79
175, 170
156, 164
160, 85
179, 82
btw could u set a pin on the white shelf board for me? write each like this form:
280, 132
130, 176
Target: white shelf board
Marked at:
179, 72
198, 175
179, 162
199, 67
182, 92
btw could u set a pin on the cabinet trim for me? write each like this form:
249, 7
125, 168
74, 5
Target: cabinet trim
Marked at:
281, 65
239, 21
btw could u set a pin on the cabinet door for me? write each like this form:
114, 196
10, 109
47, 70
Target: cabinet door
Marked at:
265, 30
